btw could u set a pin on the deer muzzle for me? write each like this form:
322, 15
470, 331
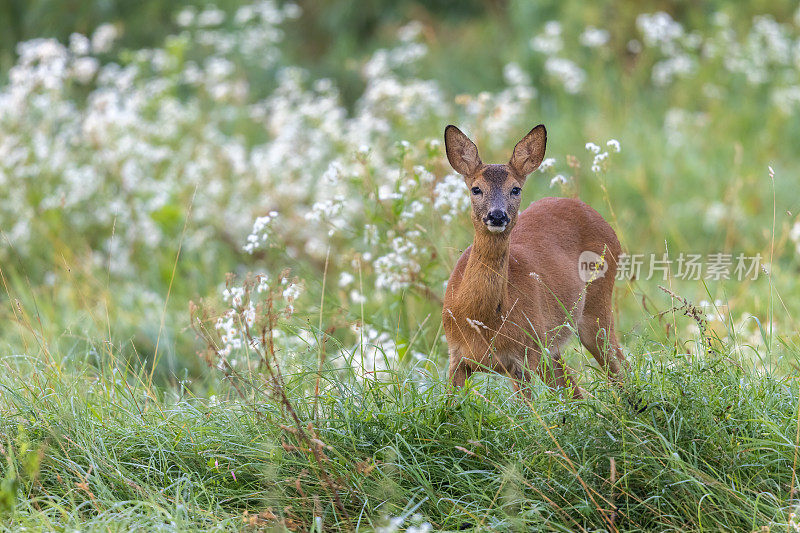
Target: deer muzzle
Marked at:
496, 220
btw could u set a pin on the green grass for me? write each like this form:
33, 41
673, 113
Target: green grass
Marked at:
688, 443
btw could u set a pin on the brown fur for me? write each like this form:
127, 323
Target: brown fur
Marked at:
517, 292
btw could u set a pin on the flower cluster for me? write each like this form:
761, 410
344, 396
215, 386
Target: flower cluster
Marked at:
600, 160
102, 146
769, 53
250, 306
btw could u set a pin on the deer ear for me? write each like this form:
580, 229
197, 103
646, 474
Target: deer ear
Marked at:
461, 152
529, 152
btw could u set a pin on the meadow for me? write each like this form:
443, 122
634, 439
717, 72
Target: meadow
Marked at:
226, 232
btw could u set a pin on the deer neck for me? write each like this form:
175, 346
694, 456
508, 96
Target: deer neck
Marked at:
484, 286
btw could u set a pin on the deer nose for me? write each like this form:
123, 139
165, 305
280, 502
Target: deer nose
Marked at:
497, 217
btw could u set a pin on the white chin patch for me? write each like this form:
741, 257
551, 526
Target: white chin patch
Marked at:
496, 229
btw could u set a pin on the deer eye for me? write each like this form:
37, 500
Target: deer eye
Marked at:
515, 191
476, 190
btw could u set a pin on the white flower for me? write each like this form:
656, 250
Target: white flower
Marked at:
514, 75
549, 42
393, 525
424, 527
593, 148
558, 180
634, 46
423, 174
451, 196
613, 143
397, 269
413, 209
333, 173
185, 16
292, 292
598, 160
659, 29
262, 283
547, 164
292, 10
665, 71
593, 37
357, 298
787, 99
259, 235
567, 72
345, 279
103, 38
410, 32
234, 295
79, 44
84, 68
249, 314
794, 235
211, 17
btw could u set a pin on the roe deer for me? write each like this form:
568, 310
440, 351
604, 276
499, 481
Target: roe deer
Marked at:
522, 287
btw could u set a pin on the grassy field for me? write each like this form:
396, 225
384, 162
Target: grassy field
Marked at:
225, 238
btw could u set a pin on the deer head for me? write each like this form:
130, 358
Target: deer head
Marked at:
495, 190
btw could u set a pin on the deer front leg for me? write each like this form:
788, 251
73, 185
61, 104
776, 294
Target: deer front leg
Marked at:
522, 369
556, 374
459, 370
